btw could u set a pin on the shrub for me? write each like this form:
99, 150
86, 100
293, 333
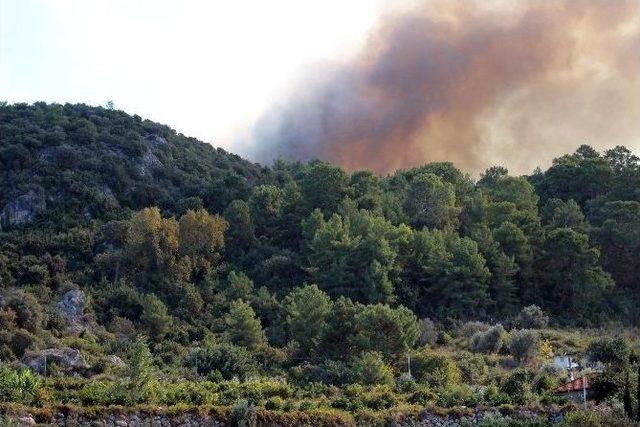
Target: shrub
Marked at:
428, 332
275, 403
469, 329
610, 351
524, 345
532, 317
489, 341
18, 386
243, 414
434, 369
443, 338
380, 398
330, 371
457, 395
547, 378
517, 386
28, 311
473, 368
582, 419
422, 396
229, 360
370, 369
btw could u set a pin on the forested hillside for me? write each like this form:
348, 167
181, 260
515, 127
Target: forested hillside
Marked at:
303, 269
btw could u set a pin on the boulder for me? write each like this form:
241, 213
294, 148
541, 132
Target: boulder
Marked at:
114, 360
69, 360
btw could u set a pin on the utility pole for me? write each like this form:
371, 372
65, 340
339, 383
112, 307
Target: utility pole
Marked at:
584, 390
409, 364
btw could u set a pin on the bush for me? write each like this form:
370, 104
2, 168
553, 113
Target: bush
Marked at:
370, 369
227, 359
457, 395
469, 329
532, 317
489, 341
610, 351
380, 398
18, 386
582, 419
443, 338
524, 345
517, 386
428, 332
275, 403
547, 378
243, 414
422, 396
473, 368
434, 369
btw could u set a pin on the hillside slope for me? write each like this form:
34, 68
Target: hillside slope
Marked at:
63, 164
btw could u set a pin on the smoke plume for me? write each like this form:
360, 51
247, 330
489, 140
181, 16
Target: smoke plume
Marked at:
472, 83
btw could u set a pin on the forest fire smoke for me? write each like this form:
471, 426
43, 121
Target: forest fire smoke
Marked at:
469, 83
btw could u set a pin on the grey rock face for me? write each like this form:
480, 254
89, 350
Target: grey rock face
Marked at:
149, 163
22, 209
68, 359
156, 140
71, 307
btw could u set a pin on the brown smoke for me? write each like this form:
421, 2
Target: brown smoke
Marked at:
459, 81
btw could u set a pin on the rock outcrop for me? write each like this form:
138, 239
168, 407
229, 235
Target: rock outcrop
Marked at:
22, 209
69, 360
72, 307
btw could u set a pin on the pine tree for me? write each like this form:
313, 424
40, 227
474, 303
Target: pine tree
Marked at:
243, 327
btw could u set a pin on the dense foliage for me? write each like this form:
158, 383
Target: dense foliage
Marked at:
233, 270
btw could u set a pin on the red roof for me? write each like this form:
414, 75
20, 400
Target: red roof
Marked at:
576, 385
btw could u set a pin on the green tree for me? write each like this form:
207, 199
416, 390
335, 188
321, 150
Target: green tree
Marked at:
306, 310
201, 234
430, 202
619, 237
243, 327
240, 236
141, 370
371, 369
447, 273
239, 286
524, 345
390, 331
581, 176
559, 214
572, 273
155, 317
323, 186
367, 191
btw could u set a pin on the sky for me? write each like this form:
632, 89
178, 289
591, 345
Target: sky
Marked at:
206, 68
361, 83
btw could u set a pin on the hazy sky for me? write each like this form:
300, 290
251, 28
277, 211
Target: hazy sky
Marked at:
362, 83
206, 68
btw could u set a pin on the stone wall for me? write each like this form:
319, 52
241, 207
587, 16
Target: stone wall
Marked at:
195, 419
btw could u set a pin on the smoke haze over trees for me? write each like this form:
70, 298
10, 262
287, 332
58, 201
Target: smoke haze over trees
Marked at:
476, 83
